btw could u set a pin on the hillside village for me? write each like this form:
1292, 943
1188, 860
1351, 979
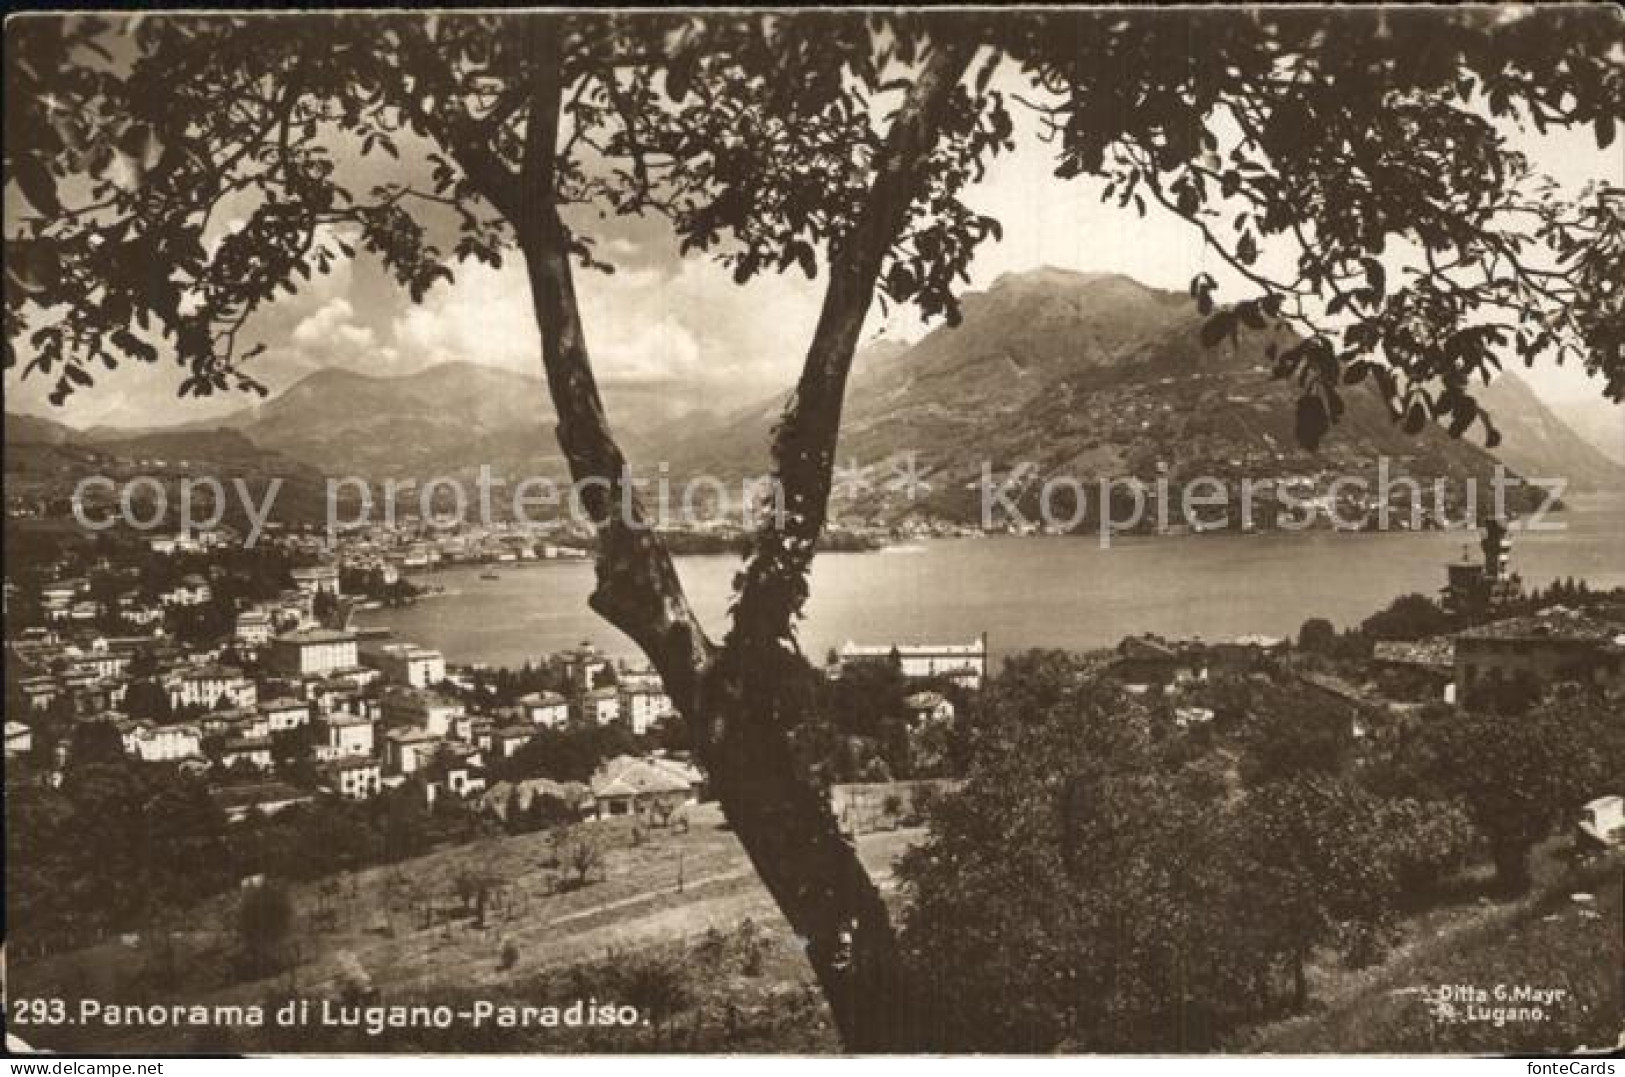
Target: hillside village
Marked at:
287, 723
171, 653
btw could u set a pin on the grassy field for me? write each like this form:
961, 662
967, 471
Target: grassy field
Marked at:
690, 901
1566, 938
409, 929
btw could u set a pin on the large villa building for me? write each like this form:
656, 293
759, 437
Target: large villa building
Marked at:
313, 652
965, 664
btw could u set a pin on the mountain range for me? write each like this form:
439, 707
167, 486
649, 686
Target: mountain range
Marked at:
1091, 375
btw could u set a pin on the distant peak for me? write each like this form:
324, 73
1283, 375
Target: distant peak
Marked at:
1055, 276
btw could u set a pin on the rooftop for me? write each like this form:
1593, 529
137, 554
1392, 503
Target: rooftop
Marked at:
1555, 623
315, 635
245, 796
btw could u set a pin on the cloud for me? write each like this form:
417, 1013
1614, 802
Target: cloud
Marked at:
333, 323
683, 327
484, 317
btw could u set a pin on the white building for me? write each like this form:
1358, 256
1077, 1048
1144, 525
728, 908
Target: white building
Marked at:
254, 751
928, 708
160, 743
19, 740
354, 779
507, 740
317, 580
546, 709
422, 709
348, 735
965, 664
206, 686
253, 627
281, 715
601, 706
313, 652
406, 751
193, 590
643, 705
407, 664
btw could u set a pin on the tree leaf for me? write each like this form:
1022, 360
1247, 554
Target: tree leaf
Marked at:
36, 183
1217, 328
1312, 421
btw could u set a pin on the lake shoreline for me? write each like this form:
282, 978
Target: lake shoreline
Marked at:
1073, 594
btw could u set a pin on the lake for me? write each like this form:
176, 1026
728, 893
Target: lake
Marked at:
1023, 592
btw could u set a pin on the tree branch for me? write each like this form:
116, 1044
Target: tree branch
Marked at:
638, 589
774, 585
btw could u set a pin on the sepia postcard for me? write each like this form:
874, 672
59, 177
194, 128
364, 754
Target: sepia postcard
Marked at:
815, 531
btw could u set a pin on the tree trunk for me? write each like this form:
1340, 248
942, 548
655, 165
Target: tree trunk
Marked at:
796, 845
734, 700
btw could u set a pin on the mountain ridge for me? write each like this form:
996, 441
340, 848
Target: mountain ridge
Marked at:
1093, 373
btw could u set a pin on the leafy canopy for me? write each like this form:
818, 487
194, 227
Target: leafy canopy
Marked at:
1364, 151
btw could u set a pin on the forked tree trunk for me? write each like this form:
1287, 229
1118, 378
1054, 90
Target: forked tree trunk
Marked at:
733, 698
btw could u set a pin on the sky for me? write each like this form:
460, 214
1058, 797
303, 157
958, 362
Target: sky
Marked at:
680, 326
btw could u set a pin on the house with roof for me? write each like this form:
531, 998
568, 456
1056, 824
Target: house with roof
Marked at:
192, 590
346, 736
39, 691
928, 708
253, 628
422, 708
547, 709
601, 706
241, 723
1555, 644
405, 664
19, 740
633, 785
641, 705
1601, 823
284, 714
152, 743
507, 740
207, 685
458, 771
354, 778
317, 579
255, 751
582, 665
1148, 661
407, 751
